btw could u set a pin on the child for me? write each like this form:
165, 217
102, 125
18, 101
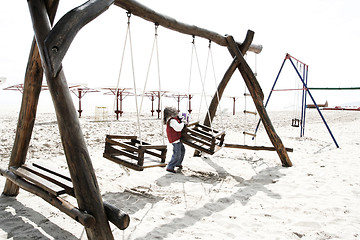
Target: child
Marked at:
174, 126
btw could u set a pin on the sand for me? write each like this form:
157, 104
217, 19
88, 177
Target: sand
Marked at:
233, 194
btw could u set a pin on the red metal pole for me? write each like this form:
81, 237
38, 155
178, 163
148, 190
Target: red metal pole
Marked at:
121, 99
159, 106
79, 91
178, 103
234, 106
152, 105
190, 103
117, 104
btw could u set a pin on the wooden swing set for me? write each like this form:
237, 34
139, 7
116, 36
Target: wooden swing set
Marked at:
48, 49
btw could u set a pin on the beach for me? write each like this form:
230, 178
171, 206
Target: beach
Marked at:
233, 194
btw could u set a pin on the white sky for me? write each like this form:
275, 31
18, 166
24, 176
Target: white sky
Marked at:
324, 34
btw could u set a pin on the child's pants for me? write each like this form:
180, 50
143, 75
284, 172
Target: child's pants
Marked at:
178, 155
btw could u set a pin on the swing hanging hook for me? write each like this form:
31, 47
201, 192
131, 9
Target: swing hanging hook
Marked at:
128, 14
209, 43
193, 41
156, 28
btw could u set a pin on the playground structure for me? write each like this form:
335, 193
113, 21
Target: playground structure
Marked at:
49, 47
303, 77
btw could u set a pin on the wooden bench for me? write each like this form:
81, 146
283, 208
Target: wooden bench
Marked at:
51, 185
130, 152
202, 138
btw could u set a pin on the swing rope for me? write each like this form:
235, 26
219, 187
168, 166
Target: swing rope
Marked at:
154, 47
160, 95
296, 95
121, 65
134, 82
215, 82
128, 36
203, 84
190, 74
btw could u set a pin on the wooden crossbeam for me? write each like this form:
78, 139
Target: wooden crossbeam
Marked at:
256, 148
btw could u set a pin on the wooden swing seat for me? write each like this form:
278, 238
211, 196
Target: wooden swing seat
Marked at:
202, 137
51, 185
295, 122
248, 133
134, 154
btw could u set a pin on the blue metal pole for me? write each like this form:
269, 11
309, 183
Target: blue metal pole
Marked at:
302, 105
267, 100
305, 100
322, 117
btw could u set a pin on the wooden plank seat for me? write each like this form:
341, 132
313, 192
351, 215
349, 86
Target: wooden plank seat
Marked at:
202, 137
51, 185
130, 152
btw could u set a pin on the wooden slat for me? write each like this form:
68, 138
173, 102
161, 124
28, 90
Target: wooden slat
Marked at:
198, 134
122, 144
162, 155
206, 128
200, 148
121, 137
66, 184
121, 152
203, 131
53, 171
192, 123
39, 181
123, 162
155, 147
192, 138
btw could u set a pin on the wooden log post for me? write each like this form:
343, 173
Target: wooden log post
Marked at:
257, 96
27, 114
82, 173
222, 85
225, 80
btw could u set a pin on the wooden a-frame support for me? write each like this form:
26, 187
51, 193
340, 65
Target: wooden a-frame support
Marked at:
47, 53
255, 91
